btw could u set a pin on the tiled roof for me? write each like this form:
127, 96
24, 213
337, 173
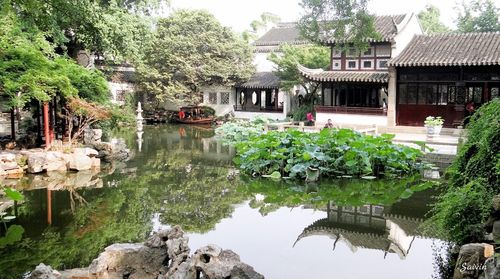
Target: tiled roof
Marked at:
262, 80
387, 26
466, 49
285, 32
344, 76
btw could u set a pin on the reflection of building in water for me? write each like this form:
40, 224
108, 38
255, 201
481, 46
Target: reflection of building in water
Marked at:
368, 226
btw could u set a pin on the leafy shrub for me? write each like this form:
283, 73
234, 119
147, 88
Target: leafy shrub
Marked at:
461, 211
434, 121
334, 152
240, 130
208, 111
300, 113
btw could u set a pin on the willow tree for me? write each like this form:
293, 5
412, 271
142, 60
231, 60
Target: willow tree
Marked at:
345, 21
192, 49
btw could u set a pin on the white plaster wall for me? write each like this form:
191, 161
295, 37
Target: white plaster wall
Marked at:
116, 88
351, 119
220, 109
406, 33
252, 115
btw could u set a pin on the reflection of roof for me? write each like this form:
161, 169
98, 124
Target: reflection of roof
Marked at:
468, 49
409, 224
344, 76
262, 80
387, 26
285, 32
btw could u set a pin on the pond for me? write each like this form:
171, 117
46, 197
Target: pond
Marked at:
183, 175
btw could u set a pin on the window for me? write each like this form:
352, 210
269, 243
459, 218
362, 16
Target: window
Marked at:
242, 97
337, 53
352, 52
368, 52
224, 98
255, 99
443, 95
212, 98
336, 65
382, 64
367, 64
352, 64
411, 97
494, 92
383, 51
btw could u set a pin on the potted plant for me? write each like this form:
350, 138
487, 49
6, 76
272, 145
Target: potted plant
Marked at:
433, 125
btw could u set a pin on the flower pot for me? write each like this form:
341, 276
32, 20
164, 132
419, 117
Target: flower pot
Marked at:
433, 131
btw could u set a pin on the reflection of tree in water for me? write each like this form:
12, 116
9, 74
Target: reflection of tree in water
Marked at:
110, 215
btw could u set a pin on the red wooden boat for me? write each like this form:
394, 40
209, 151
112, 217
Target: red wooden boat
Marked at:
194, 115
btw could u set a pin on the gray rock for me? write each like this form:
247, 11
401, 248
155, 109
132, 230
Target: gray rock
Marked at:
8, 165
244, 271
496, 231
496, 203
132, 260
55, 161
36, 162
7, 157
43, 271
80, 162
492, 268
213, 262
471, 259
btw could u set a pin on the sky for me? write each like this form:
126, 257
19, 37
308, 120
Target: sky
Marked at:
239, 13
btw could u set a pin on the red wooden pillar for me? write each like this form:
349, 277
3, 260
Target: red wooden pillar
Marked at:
46, 124
49, 206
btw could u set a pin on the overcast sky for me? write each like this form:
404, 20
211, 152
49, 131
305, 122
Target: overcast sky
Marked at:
239, 13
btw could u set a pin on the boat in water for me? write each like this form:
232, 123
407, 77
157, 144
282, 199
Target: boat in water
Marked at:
194, 115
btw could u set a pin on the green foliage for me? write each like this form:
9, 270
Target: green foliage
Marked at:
334, 152
259, 24
30, 70
314, 57
434, 121
300, 114
478, 16
460, 214
240, 130
191, 49
339, 20
14, 234
13, 194
461, 211
429, 19
107, 27
208, 111
352, 192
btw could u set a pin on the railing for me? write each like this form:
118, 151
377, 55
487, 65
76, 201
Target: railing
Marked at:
258, 109
351, 110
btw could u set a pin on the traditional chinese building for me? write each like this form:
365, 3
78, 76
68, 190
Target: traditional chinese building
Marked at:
261, 95
439, 75
355, 88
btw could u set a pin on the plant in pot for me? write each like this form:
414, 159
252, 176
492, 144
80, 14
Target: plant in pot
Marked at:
433, 125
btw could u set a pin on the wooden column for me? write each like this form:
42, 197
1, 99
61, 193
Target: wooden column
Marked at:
38, 124
49, 206
12, 124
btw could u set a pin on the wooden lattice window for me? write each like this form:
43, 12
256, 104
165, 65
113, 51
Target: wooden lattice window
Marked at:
224, 98
212, 98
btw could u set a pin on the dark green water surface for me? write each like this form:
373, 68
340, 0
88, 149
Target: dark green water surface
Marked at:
183, 176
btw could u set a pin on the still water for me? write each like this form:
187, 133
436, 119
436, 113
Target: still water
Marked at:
183, 175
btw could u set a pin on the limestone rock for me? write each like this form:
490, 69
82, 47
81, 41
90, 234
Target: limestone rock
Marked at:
496, 203
80, 162
7, 157
496, 230
244, 271
132, 260
44, 272
55, 162
213, 262
96, 162
471, 259
36, 162
492, 268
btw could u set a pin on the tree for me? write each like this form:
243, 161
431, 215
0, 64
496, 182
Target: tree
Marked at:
478, 16
287, 60
259, 24
429, 18
345, 21
108, 27
191, 49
